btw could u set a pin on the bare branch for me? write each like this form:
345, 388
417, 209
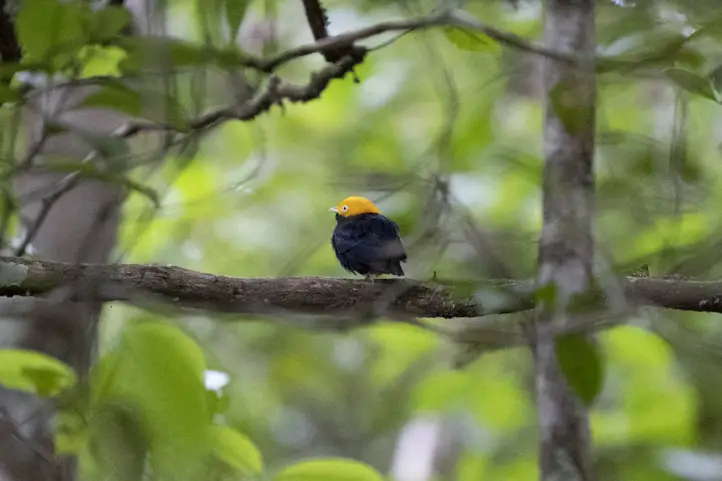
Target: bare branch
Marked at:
317, 21
440, 18
276, 92
46, 204
317, 295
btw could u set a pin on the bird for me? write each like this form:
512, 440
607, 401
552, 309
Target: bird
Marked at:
366, 242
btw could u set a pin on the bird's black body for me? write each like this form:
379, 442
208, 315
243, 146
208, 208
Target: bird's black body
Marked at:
368, 244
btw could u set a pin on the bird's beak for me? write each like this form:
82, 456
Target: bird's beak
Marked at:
333, 209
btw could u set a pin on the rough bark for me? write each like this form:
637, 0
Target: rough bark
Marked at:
183, 288
566, 245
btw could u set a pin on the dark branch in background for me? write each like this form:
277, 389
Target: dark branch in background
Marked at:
279, 91
46, 204
317, 18
318, 21
275, 93
438, 19
9, 46
316, 295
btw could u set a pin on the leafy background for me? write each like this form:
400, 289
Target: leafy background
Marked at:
443, 131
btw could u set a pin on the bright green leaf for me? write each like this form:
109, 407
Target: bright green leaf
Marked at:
34, 372
159, 370
332, 469
465, 40
100, 61
236, 450
692, 83
582, 365
235, 12
52, 29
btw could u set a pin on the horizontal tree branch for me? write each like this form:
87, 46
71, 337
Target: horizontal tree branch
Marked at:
316, 295
440, 18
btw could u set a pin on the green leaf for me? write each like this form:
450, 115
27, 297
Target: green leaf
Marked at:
35, 23
117, 442
109, 22
581, 363
114, 176
692, 83
218, 402
546, 295
34, 372
236, 450
716, 78
100, 61
70, 432
150, 105
9, 69
235, 12
565, 101
465, 40
145, 51
50, 29
209, 17
332, 469
158, 370
8, 94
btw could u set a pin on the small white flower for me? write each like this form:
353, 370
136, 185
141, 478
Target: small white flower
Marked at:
215, 380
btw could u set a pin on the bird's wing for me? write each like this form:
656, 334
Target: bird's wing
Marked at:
361, 242
371, 240
389, 237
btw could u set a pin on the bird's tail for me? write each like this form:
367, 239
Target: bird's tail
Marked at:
395, 268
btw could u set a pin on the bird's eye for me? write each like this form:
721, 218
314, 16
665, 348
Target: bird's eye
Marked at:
344, 208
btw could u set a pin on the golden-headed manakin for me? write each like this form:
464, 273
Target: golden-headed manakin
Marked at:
366, 242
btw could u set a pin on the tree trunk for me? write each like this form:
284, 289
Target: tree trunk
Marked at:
81, 226
566, 245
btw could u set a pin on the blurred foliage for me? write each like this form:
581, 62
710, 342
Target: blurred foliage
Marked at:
443, 131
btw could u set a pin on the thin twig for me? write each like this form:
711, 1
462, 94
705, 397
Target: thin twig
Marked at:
441, 18
46, 204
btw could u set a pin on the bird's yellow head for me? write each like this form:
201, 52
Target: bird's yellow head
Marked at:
354, 205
